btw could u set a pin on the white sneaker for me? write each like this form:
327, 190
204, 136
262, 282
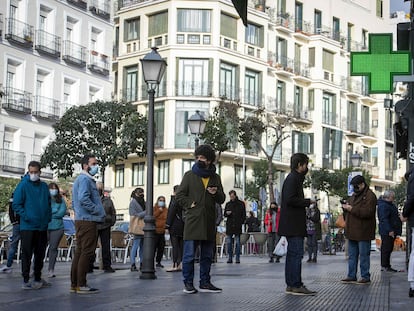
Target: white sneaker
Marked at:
5, 269
51, 274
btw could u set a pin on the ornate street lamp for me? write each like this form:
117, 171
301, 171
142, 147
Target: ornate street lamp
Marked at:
197, 125
153, 68
356, 159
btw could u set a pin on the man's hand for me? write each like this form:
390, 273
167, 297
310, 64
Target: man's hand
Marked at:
347, 207
391, 234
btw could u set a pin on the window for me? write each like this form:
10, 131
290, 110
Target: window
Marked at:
228, 86
311, 60
374, 156
298, 104
131, 29
298, 16
364, 39
327, 60
138, 170
281, 52
238, 176
332, 146
159, 125
311, 99
130, 92
187, 165
254, 35
336, 28
158, 24
164, 172
352, 117
193, 77
302, 142
379, 8
228, 26
193, 20
329, 109
365, 119
318, 21
183, 110
281, 96
281, 6
252, 92
375, 119
119, 175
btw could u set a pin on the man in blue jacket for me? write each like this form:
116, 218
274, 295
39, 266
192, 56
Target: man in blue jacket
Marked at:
389, 227
31, 201
88, 212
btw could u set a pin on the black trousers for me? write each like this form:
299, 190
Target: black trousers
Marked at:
159, 246
387, 246
105, 236
34, 244
177, 249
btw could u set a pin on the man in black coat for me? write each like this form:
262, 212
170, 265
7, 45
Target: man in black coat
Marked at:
292, 223
235, 212
408, 215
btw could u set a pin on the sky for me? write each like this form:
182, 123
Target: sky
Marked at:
399, 5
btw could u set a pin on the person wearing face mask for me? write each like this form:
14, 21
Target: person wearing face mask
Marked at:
89, 211
31, 201
55, 227
292, 223
160, 215
137, 208
360, 224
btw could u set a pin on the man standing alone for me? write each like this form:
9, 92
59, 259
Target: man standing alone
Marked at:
292, 223
31, 201
235, 212
88, 212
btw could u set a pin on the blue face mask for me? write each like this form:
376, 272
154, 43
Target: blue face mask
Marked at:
93, 170
161, 203
53, 192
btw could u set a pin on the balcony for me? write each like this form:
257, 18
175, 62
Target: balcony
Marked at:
19, 33
17, 100
282, 65
100, 8
284, 23
193, 88
129, 95
229, 92
47, 43
127, 3
252, 98
98, 63
353, 127
74, 53
12, 161
353, 86
302, 72
46, 108
329, 118
81, 4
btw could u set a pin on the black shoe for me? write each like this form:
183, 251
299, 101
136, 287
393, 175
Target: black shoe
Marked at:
189, 288
133, 268
411, 293
237, 261
314, 260
159, 265
389, 269
209, 288
277, 260
302, 291
309, 260
229, 261
109, 270
271, 260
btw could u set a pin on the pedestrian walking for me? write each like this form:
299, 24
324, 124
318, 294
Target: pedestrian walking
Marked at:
89, 212
137, 209
198, 194
271, 222
160, 215
292, 223
408, 216
313, 230
31, 201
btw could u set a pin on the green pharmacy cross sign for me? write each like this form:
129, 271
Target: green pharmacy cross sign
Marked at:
380, 63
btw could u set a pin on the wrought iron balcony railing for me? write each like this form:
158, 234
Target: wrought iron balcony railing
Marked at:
12, 161
18, 32
47, 108
74, 53
47, 43
17, 100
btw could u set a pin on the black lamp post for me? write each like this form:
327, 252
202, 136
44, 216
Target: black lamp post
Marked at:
197, 125
153, 68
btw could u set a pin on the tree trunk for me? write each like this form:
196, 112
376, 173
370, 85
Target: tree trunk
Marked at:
270, 180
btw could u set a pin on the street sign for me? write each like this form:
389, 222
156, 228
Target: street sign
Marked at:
380, 63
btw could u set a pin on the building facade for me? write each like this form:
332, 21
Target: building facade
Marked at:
293, 59
53, 55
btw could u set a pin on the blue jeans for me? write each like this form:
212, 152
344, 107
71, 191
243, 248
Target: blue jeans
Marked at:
312, 243
138, 242
230, 238
361, 250
206, 258
293, 266
15, 238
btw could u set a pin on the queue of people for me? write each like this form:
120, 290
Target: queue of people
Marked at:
37, 210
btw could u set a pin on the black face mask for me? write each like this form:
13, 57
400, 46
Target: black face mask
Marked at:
201, 164
306, 171
357, 189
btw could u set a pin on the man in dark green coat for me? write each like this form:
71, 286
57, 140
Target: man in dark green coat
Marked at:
198, 193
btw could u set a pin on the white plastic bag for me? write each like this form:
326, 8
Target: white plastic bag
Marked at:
281, 247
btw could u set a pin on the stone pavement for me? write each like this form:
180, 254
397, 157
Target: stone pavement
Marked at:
254, 284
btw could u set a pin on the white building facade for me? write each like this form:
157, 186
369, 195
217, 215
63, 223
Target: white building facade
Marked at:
53, 55
292, 59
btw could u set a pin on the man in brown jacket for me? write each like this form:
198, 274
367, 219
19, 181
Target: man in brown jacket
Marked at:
360, 229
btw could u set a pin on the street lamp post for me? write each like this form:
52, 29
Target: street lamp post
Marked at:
153, 68
197, 125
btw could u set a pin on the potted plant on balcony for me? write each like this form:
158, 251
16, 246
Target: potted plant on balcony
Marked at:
94, 53
28, 38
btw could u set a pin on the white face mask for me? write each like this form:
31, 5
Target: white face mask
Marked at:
34, 177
